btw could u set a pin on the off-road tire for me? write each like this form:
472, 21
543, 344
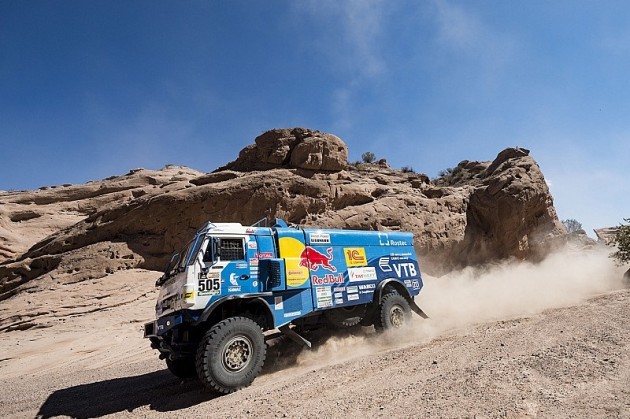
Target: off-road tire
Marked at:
393, 312
182, 367
345, 317
231, 355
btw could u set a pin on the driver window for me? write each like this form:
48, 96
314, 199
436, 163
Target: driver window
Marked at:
232, 249
207, 256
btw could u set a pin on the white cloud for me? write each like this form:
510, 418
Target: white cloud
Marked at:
463, 33
351, 30
351, 38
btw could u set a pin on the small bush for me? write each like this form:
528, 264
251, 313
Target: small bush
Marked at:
407, 169
445, 172
572, 226
368, 157
622, 241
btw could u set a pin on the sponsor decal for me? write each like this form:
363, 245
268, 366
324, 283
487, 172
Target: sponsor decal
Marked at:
249, 231
383, 240
291, 250
338, 295
233, 278
255, 283
338, 301
355, 256
323, 297
209, 275
403, 268
189, 295
314, 259
209, 293
277, 303
253, 261
415, 284
352, 289
265, 255
209, 286
367, 288
383, 263
362, 274
407, 283
234, 289
327, 279
319, 238
241, 265
292, 314
252, 245
353, 297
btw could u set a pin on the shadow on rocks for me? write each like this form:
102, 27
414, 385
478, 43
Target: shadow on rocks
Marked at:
160, 390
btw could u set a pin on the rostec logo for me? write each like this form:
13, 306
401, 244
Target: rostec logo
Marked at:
313, 259
355, 256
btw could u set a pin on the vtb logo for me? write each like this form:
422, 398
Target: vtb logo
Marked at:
355, 256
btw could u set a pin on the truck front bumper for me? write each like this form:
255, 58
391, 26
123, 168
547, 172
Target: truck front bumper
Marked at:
162, 325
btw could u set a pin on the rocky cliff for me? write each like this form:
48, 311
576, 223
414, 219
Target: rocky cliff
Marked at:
479, 212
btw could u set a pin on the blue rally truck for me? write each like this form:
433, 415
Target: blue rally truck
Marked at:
232, 287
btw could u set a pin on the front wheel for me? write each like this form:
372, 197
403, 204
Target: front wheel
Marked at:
231, 355
393, 312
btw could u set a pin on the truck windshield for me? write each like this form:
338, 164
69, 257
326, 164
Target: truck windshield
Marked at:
194, 249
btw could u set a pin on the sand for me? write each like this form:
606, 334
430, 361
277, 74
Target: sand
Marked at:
557, 347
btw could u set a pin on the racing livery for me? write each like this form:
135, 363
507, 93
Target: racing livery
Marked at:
234, 286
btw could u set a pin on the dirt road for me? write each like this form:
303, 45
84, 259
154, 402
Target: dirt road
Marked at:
566, 362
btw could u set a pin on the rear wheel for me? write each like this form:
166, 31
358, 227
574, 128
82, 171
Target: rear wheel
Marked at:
182, 367
231, 354
393, 312
345, 317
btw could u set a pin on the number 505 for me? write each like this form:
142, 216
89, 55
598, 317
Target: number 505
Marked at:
213, 284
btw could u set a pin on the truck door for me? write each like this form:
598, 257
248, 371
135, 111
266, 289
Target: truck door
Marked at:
234, 256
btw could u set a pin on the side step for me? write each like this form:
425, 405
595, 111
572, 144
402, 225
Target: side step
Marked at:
294, 336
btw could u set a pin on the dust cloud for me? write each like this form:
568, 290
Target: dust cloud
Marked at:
475, 295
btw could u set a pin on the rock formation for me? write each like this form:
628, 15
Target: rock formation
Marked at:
480, 212
297, 148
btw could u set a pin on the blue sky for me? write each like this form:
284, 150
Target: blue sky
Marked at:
90, 89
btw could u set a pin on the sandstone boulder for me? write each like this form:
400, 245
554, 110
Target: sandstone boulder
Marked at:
297, 148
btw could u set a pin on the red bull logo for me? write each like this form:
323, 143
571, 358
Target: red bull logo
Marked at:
313, 259
328, 279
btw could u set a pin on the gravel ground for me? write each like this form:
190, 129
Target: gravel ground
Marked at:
562, 362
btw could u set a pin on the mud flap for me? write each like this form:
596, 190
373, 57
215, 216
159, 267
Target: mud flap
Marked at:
294, 336
417, 310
